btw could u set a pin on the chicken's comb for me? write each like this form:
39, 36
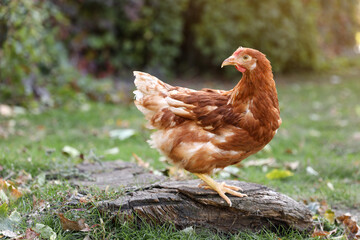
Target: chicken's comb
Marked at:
238, 51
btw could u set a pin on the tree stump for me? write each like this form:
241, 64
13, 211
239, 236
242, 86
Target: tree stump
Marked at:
184, 204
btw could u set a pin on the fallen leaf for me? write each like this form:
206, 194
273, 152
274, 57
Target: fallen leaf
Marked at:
122, 134
330, 216
6, 110
68, 224
8, 224
311, 171
314, 207
39, 204
23, 177
3, 197
112, 151
352, 229
8, 234
83, 200
45, 231
188, 230
318, 233
7, 188
70, 151
31, 234
331, 186
259, 162
292, 165
15, 217
41, 179
279, 174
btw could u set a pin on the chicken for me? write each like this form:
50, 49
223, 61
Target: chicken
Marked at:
208, 129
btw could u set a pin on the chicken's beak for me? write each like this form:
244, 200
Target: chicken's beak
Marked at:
228, 61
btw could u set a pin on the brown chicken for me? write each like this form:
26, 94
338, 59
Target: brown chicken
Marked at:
207, 129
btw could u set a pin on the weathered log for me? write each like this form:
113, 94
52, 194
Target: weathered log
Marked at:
184, 204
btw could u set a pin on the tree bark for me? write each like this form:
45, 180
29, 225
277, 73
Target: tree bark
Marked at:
184, 204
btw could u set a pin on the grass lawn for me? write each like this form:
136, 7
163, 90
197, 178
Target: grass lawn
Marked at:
320, 132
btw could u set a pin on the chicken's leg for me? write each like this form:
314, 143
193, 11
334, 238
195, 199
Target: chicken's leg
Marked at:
221, 188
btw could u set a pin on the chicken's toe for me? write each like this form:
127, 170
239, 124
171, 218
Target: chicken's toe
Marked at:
233, 187
229, 189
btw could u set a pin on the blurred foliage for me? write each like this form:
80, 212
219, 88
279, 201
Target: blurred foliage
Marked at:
41, 41
337, 25
283, 30
108, 37
31, 56
113, 37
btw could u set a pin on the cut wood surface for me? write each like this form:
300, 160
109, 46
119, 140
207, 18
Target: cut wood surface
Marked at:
184, 204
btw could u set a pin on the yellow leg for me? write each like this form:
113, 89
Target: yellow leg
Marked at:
220, 188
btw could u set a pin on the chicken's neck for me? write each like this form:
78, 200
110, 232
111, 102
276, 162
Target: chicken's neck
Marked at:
256, 92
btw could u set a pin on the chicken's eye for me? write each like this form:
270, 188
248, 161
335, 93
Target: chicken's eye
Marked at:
246, 57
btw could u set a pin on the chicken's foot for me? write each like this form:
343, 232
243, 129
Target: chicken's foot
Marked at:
220, 188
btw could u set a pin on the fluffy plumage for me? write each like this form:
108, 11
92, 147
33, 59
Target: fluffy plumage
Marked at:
208, 129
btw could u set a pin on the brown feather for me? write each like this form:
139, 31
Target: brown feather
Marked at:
208, 129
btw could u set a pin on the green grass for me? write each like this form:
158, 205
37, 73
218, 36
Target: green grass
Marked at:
320, 129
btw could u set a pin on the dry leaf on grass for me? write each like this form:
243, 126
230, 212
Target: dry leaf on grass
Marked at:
8, 187
30, 234
259, 162
279, 174
122, 134
323, 234
330, 186
23, 178
330, 216
319, 233
292, 165
352, 230
70, 151
39, 204
78, 225
311, 171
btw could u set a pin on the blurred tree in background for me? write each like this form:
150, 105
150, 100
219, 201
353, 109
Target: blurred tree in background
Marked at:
107, 37
32, 57
41, 42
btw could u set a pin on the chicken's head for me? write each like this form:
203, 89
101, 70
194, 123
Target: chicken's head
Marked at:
244, 59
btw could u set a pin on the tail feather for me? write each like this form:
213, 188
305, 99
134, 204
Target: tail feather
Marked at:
150, 94
148, 84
